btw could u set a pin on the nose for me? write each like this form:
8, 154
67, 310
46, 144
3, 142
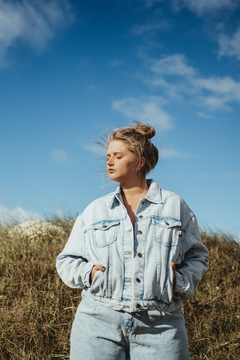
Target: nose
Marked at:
110, 161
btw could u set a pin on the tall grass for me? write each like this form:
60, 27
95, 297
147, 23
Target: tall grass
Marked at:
37, 309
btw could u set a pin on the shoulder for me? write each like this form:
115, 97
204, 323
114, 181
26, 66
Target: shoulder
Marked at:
98, 210
172, 197
100, 202
173, 205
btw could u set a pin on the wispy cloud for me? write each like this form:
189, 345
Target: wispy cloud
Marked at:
94, 148
31, 22
201, 7
60, 156
150, 28
203, 176
204, 115
169, 153
171, 65
147, 111
180, 80
230, 175
149, 3
229, 46
91, 87
115, 62
18, 215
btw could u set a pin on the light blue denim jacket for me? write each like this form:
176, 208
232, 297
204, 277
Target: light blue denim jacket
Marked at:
138, 272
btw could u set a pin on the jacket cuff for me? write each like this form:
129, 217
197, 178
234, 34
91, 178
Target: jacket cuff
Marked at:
85, 273
180, 285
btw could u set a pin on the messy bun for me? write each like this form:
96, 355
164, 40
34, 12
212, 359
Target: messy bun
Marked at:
145, 130
137, 139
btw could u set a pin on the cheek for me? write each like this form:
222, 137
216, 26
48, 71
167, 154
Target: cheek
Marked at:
131, 166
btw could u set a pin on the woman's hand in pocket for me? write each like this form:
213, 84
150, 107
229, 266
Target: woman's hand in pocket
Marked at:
94, 270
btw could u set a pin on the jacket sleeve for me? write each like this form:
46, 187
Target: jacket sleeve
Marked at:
194, 261
72, 264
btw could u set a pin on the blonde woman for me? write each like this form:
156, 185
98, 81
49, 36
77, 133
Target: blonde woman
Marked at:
136, 254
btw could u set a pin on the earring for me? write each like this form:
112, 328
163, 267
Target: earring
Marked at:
138, 169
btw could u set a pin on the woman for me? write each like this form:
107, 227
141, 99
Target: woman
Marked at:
136, 253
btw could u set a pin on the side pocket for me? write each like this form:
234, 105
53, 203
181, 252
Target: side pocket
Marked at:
97, 283
166, 234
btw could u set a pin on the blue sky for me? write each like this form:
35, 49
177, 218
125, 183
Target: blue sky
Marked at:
71, 70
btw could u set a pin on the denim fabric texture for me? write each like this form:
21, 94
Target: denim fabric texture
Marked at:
138, 273
102, 333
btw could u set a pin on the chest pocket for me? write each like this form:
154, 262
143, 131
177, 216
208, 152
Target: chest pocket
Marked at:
105, 233
166, 231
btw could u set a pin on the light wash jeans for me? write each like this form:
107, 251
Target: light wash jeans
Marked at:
101, 333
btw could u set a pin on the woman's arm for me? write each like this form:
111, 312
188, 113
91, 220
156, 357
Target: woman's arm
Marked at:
194, 261
72, 264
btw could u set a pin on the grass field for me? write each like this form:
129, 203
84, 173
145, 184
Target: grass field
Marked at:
37, 309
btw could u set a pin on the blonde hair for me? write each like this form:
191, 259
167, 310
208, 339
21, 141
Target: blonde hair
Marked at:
137, 139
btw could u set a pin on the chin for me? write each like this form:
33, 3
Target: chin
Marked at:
113, 177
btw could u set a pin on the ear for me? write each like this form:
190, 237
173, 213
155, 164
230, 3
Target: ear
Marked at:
141, 162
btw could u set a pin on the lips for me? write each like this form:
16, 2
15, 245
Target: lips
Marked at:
111, 170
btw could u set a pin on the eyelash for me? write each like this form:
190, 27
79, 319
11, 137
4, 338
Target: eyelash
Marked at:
117, 157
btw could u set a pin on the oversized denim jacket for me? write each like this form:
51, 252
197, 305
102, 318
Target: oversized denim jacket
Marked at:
138, 260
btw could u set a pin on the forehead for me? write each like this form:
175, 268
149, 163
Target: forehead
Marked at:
117, 146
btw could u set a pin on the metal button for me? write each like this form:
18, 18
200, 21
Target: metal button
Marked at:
138, 306
140, 217
104, 226
139, 255
143, 202
138, 280
167, 223
139, 232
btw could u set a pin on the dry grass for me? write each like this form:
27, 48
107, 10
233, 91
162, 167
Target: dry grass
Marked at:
37, 309
213, 314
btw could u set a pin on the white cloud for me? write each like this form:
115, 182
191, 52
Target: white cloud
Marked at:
221, 91
168, 153
17, 215
171, 65
201, 7
230, 175
178, 80
31, 22
229, 46
60, 156
147, 111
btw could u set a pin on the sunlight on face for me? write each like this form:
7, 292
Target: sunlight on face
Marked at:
122, 163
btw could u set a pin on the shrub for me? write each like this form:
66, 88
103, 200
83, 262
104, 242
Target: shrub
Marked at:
35, 230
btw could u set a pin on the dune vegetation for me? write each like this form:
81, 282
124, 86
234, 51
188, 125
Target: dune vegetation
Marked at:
37, 309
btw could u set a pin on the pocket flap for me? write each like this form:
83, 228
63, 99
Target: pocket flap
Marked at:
105, 225
167, 223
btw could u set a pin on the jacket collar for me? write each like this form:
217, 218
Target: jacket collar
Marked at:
154, 194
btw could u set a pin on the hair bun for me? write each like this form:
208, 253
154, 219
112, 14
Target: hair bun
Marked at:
145, 130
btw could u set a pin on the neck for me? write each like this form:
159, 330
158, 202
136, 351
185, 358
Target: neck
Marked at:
135, 190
